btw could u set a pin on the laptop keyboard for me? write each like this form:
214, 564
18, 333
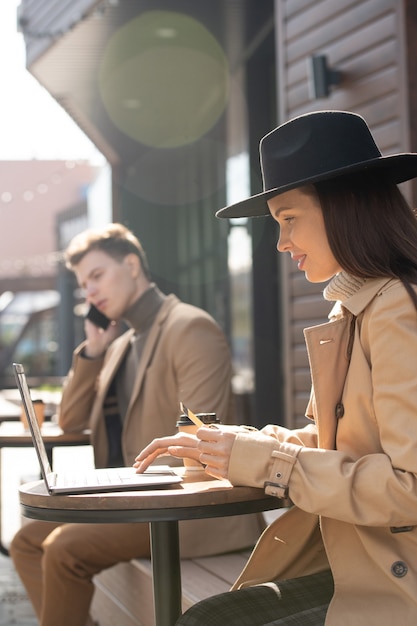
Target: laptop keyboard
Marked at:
112, 476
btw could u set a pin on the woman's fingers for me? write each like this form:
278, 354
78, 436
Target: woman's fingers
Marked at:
187, 444
142, 464
182, 451
216, 441
211, 446
215, 448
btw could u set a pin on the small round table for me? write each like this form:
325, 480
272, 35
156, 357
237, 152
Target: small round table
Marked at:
198, 496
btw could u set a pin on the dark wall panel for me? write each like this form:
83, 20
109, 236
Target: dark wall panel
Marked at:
365, 40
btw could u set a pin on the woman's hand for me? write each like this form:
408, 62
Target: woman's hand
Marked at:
211, 446
179, 445
215, 446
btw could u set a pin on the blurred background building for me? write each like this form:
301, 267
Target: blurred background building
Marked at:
175, 94
41, 204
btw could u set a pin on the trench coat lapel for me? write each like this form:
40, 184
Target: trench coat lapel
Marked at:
328, 347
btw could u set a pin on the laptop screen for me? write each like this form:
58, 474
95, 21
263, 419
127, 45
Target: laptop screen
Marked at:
32, 421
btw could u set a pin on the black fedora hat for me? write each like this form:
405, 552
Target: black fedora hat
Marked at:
314, 147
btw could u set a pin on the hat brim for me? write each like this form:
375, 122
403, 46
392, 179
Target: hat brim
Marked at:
399, 168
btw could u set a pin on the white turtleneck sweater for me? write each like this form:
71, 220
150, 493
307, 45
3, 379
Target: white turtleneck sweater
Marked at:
342, 286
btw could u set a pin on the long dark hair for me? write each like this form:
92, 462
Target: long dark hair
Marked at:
372, 230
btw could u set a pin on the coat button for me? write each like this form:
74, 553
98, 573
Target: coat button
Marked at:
340, 410
399, 569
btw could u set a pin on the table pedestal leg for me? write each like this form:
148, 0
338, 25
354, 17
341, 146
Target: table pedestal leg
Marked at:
166, 572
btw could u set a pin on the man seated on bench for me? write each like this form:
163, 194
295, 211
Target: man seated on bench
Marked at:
127, 388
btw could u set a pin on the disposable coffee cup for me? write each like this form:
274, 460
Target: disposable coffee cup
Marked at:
185, 425
39, 407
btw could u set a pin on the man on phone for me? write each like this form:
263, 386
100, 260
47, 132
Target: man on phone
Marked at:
126, 388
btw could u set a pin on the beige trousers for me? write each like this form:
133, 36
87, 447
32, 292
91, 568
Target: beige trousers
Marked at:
56, 563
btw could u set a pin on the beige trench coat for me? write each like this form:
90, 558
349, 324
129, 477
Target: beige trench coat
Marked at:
186, 357
352, 476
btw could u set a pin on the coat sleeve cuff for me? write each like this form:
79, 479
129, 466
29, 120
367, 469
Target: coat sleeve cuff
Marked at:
271, 463
81, 361
282, 466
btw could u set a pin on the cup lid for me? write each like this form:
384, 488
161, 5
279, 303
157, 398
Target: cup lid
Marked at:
184, 420
208, 418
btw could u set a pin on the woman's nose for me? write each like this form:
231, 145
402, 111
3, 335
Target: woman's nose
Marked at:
282, 243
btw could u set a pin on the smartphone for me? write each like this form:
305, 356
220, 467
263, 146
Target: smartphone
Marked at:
97, 317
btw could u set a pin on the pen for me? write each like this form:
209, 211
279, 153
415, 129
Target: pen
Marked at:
191, 415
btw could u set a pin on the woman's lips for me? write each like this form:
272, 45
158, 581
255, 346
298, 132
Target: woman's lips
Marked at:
299, 260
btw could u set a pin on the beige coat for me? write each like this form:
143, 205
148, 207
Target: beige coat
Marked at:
355, 474
185, 358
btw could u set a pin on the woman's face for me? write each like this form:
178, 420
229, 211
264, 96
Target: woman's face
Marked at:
303, 235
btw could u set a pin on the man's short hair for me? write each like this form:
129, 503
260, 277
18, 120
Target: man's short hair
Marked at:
114, 239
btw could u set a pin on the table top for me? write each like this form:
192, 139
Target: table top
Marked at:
14, 435
8, 410
197, 496
11, 406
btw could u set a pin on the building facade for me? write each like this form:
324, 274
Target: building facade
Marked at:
177, 94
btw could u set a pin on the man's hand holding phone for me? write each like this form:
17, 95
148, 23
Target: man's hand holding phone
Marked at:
100, 331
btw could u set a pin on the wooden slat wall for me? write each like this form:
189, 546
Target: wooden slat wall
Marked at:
364, 39
49, 16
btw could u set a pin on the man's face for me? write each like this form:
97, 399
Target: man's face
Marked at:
111, 285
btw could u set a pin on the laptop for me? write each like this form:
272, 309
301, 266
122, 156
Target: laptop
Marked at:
89, 481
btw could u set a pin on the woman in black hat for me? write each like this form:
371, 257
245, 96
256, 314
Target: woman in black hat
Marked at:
345, 552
